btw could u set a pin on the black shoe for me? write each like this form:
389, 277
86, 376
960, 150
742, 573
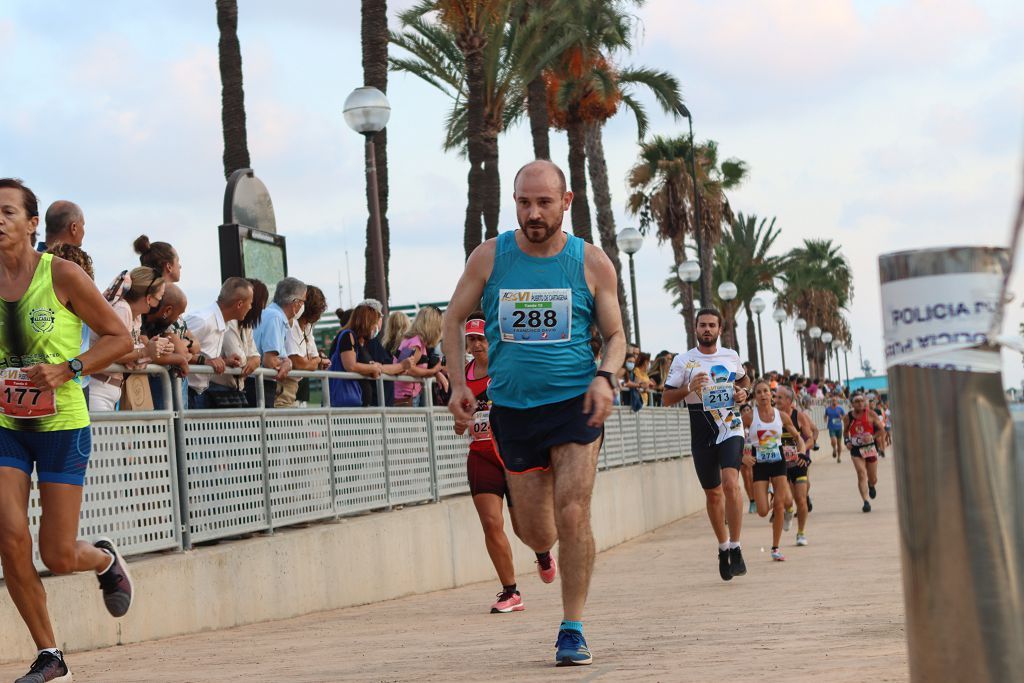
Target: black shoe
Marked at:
810, 505
867, 507
871, 492
115, 582
736, 564
723, 565
48, 668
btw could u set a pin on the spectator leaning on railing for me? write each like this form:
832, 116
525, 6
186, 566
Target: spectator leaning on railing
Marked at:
209, 326
160, 322
130, 295
305, 355
418, 347
273, 336
350, 354
238, 341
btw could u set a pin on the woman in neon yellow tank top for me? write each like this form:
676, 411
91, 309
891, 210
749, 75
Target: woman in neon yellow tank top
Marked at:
44, 423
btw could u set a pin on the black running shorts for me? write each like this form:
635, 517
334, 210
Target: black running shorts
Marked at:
526, 436
794, 473
764, 471
710, 460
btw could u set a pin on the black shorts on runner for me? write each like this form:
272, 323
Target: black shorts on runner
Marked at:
710, 460
763, 471
796, 472
525, 437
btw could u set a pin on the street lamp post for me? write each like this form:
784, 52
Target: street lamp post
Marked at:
779, 316
757, 305
826, 339
846, 362
367, 112
814, 333
835, 350
683, 111
727, 292
630, 240
689, 272
800, 325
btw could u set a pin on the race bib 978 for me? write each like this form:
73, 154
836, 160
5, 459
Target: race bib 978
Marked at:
535, 316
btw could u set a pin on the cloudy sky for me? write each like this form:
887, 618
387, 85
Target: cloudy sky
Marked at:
881, 124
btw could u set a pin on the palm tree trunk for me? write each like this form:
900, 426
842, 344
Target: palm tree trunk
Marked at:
232, 96
374, 35
685, 290
475, 142
594, 146
581, 226
752, 339
492, 184
537, 106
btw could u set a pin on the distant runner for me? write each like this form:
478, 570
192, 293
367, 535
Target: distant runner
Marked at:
712, 382
861, 427
798, 462
766, 426
834, 418
541, 289
485, 470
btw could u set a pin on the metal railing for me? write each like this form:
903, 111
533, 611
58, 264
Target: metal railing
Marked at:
167, 479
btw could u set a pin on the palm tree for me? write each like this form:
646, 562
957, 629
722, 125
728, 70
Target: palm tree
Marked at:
515, 50
662, 192
744, 258
232, 96
374, 36
472, 23
817, 284
581, 90
620, 85
536, 95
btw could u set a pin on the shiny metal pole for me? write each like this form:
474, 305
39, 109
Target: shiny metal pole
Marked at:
760, 345
782, 349
803, 368
636, 312
959, 482
846, 362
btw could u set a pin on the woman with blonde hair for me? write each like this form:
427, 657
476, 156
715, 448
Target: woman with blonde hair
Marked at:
394, 331
417, 347
131, 294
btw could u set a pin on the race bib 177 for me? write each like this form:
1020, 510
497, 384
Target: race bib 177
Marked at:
535, 316
20, 399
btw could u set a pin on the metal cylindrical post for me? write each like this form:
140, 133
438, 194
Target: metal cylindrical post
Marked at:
782, 349
960, 487
803, 368
636, 313
760, 344
181, 461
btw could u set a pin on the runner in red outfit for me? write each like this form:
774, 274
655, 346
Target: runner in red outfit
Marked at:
485, 470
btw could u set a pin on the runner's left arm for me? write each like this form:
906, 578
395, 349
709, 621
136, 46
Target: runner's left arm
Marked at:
77, 292
601, 274
787, 424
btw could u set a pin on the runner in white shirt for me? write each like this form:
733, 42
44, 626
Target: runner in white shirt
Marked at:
712, 383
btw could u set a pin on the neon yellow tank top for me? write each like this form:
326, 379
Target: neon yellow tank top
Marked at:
39, 329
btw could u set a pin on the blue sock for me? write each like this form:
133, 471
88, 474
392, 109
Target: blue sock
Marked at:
572, 626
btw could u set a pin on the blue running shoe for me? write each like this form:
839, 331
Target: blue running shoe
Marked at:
571, 649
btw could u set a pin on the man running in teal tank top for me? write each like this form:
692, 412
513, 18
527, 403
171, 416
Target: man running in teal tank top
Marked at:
542, 289
44, 424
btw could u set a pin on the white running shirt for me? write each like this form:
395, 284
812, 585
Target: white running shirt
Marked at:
723, 366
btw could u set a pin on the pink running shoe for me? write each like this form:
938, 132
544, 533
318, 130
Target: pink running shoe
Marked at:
547, 574
508, 602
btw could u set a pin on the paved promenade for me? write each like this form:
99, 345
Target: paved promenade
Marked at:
658, 612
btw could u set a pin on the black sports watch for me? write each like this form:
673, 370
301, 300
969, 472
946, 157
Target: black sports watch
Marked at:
75, 365
610, 377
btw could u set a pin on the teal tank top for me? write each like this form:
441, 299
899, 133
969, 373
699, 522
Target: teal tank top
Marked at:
539, 313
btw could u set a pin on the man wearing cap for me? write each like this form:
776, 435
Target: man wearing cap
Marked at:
486, 473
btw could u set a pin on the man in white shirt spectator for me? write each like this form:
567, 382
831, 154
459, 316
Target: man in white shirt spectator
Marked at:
273, 336
208, 325
304, 354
